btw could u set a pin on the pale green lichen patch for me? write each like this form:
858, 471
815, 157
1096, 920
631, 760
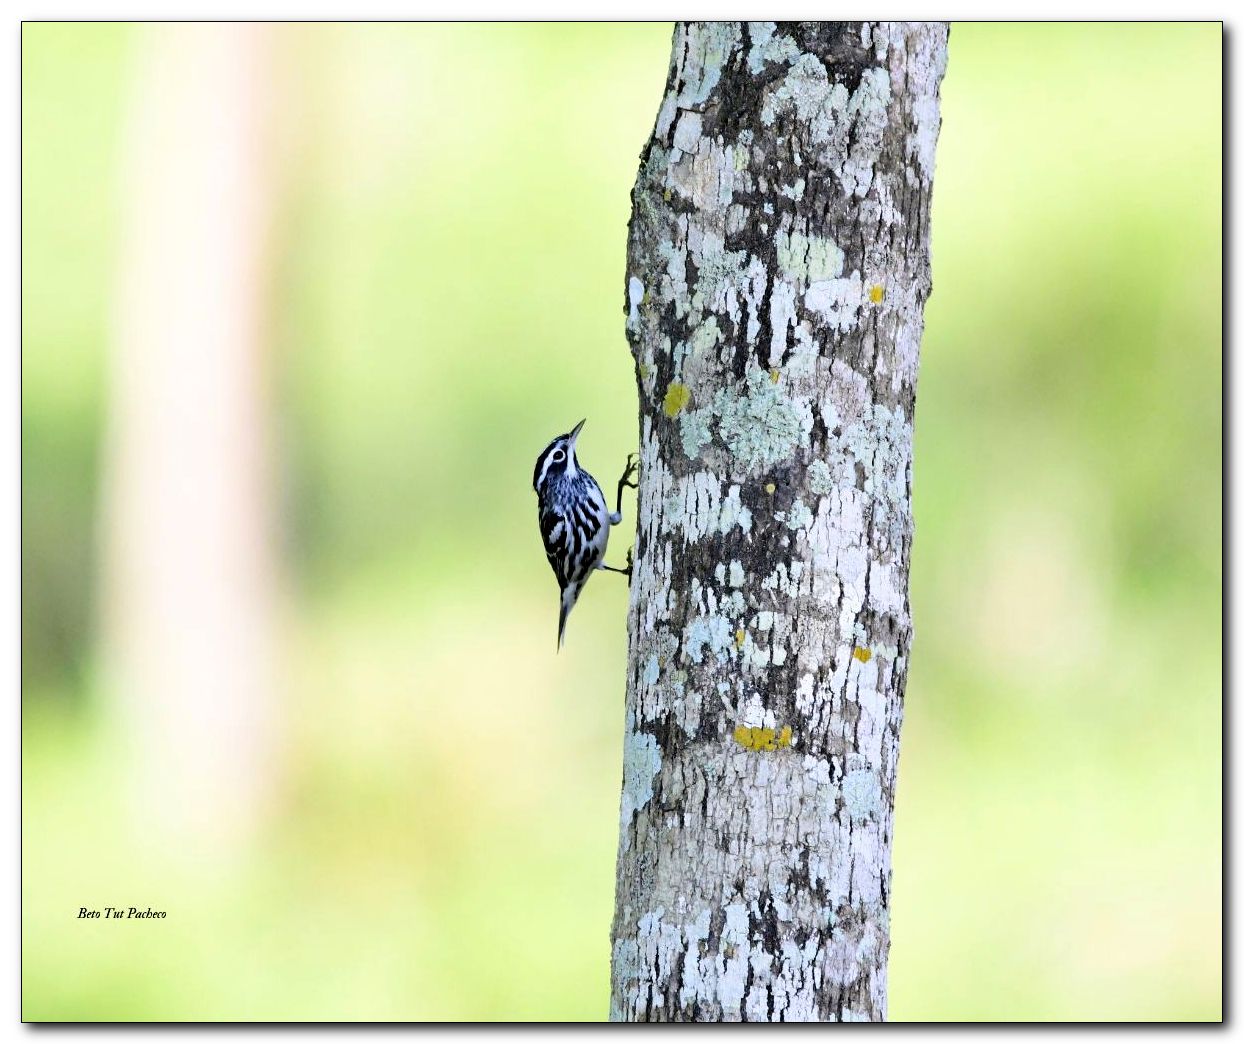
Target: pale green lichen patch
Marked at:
878, 443
873, 454
861, 794
719, 270
824, 258
868, 111
765, 48
709, 45
881, 443
704, 337
711, 632
820, 478
794, 191
807, 91
641, 761
759, 426
694, 504
695, 355
872, 98
799, 517
838, 301
923, 142
662, 680
627, 968
675, 276
784, 579
804, 353
687, 131
734, 513
694, 430
652, 670
719, 281
703, 172
808, 257
736, 574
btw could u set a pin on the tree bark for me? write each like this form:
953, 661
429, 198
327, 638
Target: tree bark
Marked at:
778, 266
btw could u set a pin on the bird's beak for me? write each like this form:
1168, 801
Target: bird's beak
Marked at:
574, 433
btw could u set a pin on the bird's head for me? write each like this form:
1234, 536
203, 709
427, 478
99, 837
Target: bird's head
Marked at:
558, 458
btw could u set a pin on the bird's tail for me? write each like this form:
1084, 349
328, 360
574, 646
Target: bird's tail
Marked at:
570, 595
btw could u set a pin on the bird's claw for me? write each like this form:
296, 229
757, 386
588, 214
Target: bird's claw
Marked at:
632, 466
625, 482
630, 564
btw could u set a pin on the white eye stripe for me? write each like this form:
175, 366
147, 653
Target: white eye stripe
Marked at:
548, 458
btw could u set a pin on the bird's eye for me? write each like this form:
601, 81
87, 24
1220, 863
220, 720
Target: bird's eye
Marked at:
559, 456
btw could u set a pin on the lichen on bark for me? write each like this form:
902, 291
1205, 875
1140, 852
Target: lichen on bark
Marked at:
777, 271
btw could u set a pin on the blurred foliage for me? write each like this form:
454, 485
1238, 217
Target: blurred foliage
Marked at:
450, 295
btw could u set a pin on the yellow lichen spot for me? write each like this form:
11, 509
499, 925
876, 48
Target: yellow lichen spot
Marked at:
774, 375
754, 739
770, 488
676, 397
739, 637
762, 739
863, 655
876, 293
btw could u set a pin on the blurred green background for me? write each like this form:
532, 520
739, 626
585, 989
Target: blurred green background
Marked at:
447, 290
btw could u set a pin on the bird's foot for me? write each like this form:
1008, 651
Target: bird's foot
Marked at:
630, 565
626, 482
632, 466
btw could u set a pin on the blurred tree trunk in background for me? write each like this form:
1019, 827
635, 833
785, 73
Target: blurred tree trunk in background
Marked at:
777, 273
191, 573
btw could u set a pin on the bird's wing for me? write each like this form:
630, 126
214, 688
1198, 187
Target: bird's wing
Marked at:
572, 540
557, 530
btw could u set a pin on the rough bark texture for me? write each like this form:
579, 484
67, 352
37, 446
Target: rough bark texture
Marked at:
777, 272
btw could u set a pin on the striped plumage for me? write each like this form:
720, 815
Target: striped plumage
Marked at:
574, 519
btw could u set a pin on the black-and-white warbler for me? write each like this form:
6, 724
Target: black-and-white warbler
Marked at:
574, 518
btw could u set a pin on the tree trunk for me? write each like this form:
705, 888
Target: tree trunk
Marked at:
192, 610
778, 266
